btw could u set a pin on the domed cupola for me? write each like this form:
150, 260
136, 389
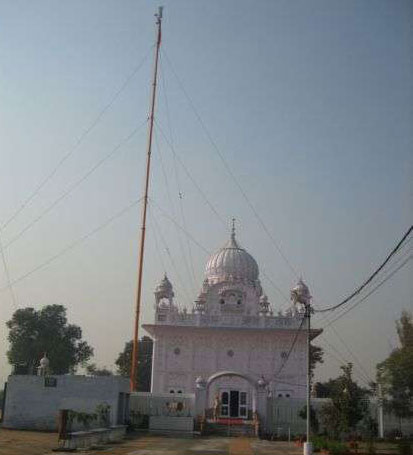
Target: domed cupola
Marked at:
231, 263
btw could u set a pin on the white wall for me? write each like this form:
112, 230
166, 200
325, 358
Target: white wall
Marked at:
183, 354
31, 405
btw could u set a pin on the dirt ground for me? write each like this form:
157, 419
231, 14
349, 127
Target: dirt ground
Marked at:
14, 442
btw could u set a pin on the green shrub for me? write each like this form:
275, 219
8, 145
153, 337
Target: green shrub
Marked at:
404, 448
337, 448
334, 447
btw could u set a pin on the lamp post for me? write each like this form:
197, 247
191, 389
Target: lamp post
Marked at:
301, 294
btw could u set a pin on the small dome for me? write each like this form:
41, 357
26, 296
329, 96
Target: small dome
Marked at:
232, 262
164, 287
300, 292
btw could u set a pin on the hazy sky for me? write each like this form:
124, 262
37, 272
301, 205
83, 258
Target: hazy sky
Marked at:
308, 101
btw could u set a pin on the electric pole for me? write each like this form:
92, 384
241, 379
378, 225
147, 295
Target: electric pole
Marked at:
308, 446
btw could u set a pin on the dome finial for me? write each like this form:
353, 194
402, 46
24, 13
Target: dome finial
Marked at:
233, 230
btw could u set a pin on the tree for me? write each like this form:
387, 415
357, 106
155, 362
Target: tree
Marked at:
316, 356
124, 362
348, 405
395, 374
324, 389
93, 370
313, 418
35, 332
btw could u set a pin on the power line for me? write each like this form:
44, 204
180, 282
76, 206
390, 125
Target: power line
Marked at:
370, 278
395, 263
157, 243
81, 138
7, 272
291, 348
201, 192
275, 287
372, 291
362, 374
174, 267
180, 203
166, 215
341, 359
173, 210
73, 244
75, 184
228, 169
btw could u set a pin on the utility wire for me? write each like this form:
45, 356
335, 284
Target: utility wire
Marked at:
370, 278
180, 203
372, 291
270, 280
352, 354
73, 244
166, 215
291, 348
190, 176
78, 142
155, 235
7, 272
362, 374
181, 247
340, 359
168, 251
228, 169
395, 263
75, 184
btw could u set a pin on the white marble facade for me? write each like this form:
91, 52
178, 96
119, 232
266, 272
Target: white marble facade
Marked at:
231, 328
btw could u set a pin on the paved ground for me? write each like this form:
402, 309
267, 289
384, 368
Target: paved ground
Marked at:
34, 443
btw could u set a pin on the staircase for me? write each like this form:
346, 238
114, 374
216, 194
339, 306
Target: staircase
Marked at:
243, 428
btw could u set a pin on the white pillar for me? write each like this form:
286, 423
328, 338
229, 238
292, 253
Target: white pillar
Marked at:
380, 411
200, 397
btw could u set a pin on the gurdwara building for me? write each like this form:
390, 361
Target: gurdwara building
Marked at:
231, 336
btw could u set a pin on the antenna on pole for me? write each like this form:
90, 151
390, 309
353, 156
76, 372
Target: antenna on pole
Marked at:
135, 363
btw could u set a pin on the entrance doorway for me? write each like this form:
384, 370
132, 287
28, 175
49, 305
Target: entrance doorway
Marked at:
233, 404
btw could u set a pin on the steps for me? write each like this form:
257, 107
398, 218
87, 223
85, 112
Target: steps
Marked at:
234, 430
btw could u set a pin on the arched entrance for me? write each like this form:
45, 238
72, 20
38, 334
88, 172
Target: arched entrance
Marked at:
233, 402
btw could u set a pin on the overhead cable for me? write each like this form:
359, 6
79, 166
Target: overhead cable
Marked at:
291, 348
370, 278
7, 272
372, 291
81, 138
170, 218
171, 203
228, 169
73, 244
75, 184
201, 192
180, 199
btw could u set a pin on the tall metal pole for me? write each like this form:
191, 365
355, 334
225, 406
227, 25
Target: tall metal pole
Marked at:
134, 367
308, 445
380, 410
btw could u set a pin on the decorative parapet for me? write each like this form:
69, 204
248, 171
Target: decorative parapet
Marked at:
228, 320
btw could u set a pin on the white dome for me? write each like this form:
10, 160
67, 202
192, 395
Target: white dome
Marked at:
232, 262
